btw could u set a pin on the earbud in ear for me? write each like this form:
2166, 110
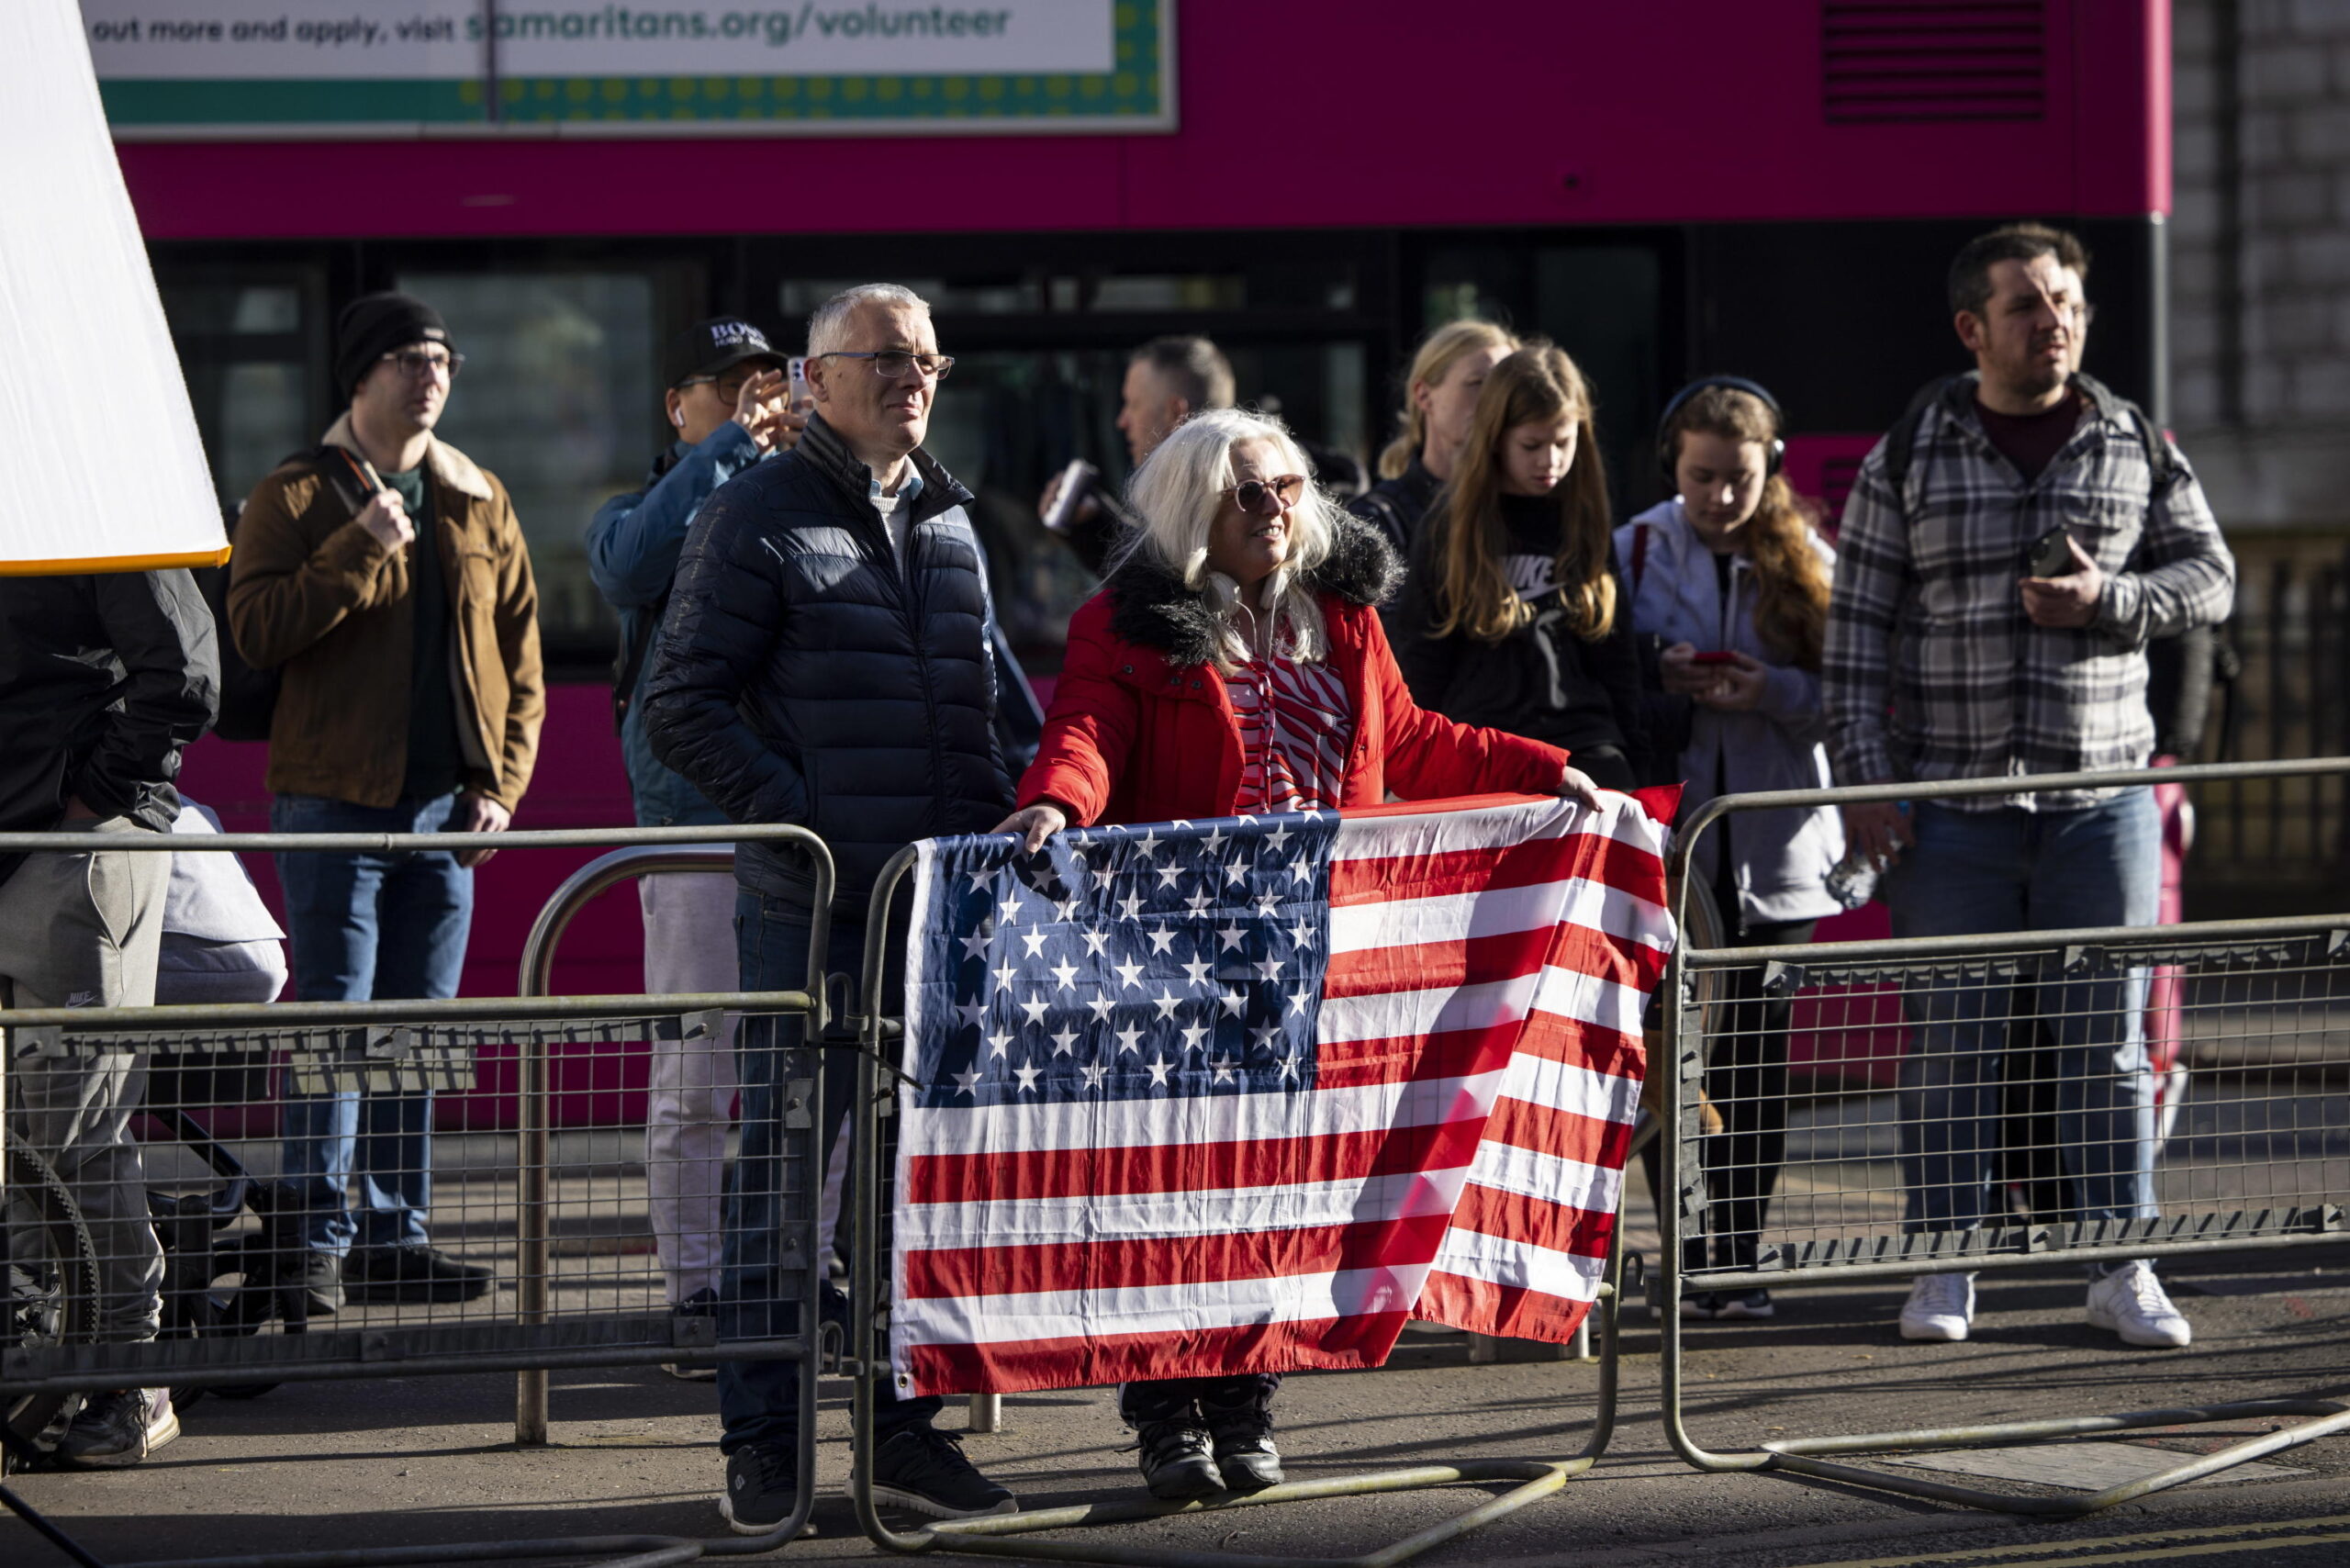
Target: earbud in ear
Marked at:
677, 418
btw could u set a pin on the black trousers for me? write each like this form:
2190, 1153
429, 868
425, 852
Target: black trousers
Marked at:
1746, 1079
1175, 1398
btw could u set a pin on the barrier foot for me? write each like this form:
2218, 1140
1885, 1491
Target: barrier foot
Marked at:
1796, 1456
1005, 1535
1012, 1535
986, 1414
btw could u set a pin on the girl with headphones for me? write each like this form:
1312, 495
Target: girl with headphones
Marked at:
1510, 617
1732, 577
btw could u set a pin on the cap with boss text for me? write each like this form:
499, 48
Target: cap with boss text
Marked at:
714, 347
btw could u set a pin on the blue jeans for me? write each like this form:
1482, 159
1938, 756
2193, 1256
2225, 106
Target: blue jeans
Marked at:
1975, 872
368, 928
759, 1401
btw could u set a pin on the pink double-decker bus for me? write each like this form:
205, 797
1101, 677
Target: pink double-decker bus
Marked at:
1773, 190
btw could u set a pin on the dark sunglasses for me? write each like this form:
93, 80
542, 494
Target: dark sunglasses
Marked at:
1268, 498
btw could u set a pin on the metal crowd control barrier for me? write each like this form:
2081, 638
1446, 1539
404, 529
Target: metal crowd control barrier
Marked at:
2021, 1129
554, 1205
1009, 1535
532, 1237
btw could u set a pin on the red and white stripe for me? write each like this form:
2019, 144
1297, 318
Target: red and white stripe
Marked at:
1458, 1158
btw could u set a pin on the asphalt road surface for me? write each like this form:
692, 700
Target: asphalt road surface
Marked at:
413, 1461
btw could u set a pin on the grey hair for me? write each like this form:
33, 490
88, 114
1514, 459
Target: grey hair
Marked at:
1178, 492
828, 325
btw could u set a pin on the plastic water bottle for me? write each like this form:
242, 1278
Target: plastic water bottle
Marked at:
1852, 882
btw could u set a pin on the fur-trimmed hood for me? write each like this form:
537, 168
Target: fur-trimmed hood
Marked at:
1150, 605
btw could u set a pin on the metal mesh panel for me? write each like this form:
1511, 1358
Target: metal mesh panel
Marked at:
246, 1179
1848, 1108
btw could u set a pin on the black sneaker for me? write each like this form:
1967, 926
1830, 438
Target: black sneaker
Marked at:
1243, 1435
414, 1272
1704, 1305
762, 1490
321, 1281
924, 1469
1744, 1303
119, 1429
1178, 1460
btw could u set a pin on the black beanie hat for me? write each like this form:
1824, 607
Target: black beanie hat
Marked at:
376, 324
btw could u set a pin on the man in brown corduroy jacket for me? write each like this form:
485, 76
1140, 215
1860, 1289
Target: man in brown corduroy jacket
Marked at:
383, 576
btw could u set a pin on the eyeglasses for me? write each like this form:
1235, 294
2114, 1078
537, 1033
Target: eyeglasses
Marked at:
728, 386
415, 363
894, 364
1268, 498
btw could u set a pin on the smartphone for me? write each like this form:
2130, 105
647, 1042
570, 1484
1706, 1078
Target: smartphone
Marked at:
1077, 482
1713, 658
796, 368
2051, 554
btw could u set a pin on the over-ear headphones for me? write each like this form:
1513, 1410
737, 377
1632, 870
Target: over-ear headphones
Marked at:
1774, 455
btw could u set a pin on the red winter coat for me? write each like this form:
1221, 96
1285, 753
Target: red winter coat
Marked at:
1141, 728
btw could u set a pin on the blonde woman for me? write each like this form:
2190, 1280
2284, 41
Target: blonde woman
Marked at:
1510, 617
1439, 397
1234, 662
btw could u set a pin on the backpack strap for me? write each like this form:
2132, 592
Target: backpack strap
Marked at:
353, 482
1901, 441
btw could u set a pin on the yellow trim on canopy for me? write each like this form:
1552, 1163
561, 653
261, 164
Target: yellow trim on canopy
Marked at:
72, 567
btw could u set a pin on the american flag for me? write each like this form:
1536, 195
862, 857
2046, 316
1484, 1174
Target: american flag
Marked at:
1245, 1095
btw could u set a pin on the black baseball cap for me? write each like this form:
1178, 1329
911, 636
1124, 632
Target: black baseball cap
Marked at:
714, 347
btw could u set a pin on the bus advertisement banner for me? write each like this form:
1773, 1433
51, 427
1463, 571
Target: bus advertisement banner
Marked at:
235, 69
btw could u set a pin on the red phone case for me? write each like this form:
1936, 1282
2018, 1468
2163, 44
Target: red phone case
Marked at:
1713, 659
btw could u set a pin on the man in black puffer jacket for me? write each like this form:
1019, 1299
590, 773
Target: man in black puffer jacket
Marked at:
824, 661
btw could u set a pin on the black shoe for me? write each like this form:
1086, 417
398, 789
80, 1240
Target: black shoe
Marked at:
924, 1469
1243, 1435
762, 1490
321, 1281
1744, 1303
413, 1273
119, 1429
1178, 1460
1705, 1303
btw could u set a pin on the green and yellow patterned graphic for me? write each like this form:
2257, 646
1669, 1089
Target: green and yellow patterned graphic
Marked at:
1133, 91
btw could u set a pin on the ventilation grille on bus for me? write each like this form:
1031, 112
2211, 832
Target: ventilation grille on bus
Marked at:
1932, 60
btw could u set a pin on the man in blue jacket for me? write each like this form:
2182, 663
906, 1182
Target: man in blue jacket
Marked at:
726, 399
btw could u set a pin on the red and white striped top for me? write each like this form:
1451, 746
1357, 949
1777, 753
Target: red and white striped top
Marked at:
1295, 730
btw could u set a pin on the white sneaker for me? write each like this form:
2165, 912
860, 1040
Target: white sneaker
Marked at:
2130, 1301
1940, 1307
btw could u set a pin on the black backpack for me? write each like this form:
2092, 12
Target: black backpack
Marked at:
249, 695
2184, 671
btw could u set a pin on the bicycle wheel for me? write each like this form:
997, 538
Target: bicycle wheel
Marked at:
53, 1291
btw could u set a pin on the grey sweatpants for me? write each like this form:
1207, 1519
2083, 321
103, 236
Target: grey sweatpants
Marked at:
83, 931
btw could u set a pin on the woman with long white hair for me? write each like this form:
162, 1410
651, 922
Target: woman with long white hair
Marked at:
1234, 662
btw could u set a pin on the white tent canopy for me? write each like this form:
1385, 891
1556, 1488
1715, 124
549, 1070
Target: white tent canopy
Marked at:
104, 470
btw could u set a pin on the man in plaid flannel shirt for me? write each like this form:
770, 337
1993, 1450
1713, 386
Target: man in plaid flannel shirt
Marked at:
1948, 657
